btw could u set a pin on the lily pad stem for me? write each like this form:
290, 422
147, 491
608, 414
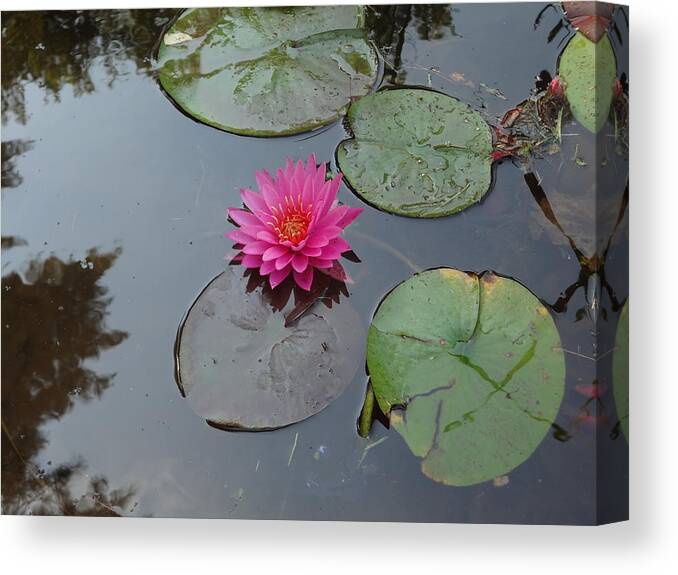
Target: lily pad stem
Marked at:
365, 421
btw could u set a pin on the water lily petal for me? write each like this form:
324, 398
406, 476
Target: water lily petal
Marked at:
299, 174
307, 194
330, 252
311, 252
349, 216
299, 262
341, 244
321, 263
271, 198
334, 216
277, 276
317, 240
330, 195
267, 236
319, 181
294, 247
253, 201
304, 279
289, 169
281, 183
244, 219
311, 166
267, 267
283, 260
332, 232
256, 248
263, 178
274, 252
239, 236
251, 261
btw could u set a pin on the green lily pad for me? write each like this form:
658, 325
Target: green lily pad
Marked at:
267, 71
416, 153
241, 367
469, 370
588, 70
620, 370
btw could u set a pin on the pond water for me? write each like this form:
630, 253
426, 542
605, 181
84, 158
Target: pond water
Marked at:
112, 224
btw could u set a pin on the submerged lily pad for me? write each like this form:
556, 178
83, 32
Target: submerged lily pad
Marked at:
620, 370
585, 200
241, 367
267, 71
588, 70
416, 153
469, 369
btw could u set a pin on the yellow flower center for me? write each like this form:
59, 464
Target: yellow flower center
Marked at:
294, 227
291, 222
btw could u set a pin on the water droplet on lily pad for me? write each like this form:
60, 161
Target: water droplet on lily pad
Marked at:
427, 139
267, 71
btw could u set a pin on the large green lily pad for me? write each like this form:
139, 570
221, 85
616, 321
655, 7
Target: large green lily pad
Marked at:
241, 367
620, 370
588, 70
469, 369
416, 153
267, 71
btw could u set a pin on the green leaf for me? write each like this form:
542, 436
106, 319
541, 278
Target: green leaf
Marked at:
469, 369
241, 367
267, 71
416, 153
588, 70
620, 370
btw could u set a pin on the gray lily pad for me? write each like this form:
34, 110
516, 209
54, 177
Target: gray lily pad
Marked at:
588, 70
416, 153
469, 370
241, 368
267, 71
620, 370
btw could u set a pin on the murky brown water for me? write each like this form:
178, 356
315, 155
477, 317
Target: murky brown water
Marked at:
112, 223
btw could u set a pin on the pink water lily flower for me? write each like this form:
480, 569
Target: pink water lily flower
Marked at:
293, 225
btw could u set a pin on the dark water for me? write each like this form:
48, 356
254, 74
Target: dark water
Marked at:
113, 220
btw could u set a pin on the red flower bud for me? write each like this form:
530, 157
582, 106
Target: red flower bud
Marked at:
556, 88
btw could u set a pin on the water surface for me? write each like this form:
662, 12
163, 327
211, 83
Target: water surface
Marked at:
112, 223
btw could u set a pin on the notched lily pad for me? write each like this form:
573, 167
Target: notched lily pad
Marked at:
620, 370
241, 367
416, 153
588, 70
469, 369
267, 71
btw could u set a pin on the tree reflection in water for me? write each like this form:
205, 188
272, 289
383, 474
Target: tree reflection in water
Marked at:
118, 41
53, 323
11, 150
387, 26
433, 20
